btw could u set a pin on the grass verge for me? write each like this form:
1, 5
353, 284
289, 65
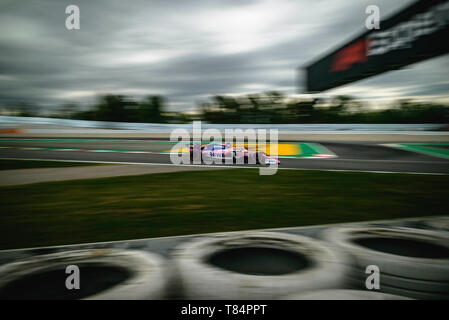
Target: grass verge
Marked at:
208, 201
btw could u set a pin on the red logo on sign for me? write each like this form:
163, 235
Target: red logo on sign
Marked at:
353, 53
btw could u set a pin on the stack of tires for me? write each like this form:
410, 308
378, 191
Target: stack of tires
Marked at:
257, 265
411, 262
437, 224
103, 274
344, 294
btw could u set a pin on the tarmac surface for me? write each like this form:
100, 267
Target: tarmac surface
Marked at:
24, 176
349, 155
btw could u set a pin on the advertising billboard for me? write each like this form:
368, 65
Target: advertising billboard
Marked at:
418, 32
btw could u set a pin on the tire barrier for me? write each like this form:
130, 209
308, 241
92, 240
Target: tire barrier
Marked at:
104, 274
344, 294
412, 262
257, 265
438, 224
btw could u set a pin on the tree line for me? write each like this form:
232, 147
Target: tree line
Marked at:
270, 107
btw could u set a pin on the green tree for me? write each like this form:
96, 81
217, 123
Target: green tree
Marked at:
151, 109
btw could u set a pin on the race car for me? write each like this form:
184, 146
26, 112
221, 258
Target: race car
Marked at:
227, 151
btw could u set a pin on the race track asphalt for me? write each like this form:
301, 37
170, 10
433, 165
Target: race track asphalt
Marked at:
354, 156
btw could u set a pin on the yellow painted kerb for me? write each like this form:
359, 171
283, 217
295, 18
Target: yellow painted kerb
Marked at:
284, 149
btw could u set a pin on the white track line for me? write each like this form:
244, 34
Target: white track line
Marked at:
327, 155
372, 160
222, 166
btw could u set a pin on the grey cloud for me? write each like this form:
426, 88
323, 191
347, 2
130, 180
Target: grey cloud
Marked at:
43, 63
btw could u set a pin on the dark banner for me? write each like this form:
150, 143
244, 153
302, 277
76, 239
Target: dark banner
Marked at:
416, 33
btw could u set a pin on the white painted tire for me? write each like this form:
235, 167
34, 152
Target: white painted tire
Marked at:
147, 271
435, 287
420, 268
438, 223
415, 289
344, 294
203, 280
405, 292
420, 295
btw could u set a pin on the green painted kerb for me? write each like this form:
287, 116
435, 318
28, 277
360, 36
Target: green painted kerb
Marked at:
428, 149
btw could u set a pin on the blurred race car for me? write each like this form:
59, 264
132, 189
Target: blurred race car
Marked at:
227, 151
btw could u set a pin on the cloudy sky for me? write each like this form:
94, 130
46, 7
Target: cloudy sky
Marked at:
187, 50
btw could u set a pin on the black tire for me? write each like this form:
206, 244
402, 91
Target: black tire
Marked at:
191, 158
258, 156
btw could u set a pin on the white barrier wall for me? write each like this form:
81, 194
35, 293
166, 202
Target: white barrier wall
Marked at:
167, 127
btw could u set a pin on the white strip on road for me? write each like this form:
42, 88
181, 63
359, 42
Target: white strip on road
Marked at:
224, 166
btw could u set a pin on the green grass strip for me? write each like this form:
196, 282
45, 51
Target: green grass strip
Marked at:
182, 203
